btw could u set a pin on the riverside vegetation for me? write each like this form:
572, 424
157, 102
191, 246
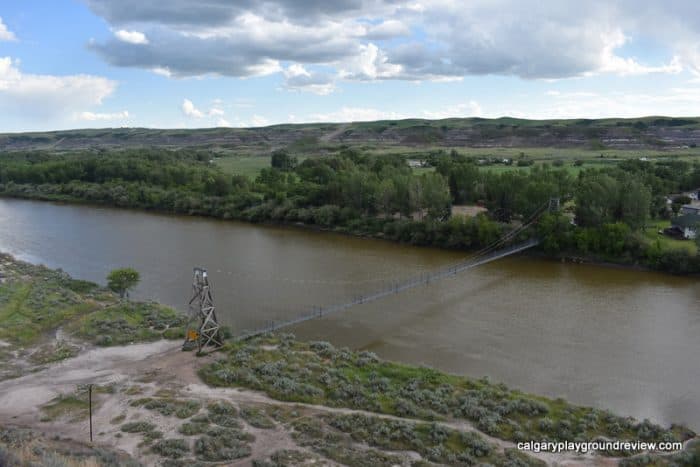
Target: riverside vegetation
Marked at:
47, 316
380, 195
331, 404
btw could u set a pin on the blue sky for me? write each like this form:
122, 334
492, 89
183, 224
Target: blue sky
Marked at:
203, 63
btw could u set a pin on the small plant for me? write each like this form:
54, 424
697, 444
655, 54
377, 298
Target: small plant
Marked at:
193, 428
223, 414
173, 448
137, 427
168, 407
223, 444
257, 418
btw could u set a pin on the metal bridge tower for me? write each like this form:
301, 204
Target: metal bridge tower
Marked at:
553, 205
202, 311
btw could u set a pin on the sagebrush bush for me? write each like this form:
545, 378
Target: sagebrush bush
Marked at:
137, 427
173, 448
223, 444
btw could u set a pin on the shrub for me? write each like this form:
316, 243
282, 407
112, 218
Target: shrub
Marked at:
223, 444
193, 428
172, 448
223, 414
257, 418
137, 427
322, 348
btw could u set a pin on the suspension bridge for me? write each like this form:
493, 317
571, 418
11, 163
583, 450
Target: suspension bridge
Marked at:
498, 249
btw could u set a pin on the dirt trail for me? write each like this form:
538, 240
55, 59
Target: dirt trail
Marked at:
337, 132
163, 366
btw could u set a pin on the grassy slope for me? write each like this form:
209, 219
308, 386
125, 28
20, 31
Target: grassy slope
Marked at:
318, 373
36, 301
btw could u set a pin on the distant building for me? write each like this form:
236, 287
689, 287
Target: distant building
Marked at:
687, 225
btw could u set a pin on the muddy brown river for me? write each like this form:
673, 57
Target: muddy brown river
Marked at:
611, 338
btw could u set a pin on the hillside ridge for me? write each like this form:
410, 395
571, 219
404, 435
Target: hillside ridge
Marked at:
655, 132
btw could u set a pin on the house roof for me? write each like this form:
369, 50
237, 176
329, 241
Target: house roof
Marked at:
687, 220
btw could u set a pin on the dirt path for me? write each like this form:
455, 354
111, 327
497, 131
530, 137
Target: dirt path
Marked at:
338, 131
163, 366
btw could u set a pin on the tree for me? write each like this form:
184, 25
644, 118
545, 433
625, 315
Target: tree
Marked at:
282, 160
635, 203
123, 279
596, 200
436, 196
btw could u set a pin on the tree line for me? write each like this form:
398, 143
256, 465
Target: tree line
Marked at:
380, 196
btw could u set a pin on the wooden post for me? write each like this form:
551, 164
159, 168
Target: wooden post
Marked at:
90, 408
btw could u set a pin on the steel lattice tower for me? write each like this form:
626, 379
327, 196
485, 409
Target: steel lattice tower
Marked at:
202, 311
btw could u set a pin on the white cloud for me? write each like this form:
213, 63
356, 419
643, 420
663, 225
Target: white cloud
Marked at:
162, 71
222, 122
92, 116
356, 114
131, 37
190, 110
6, 34
612, 63
48, 97
387, 30
259, 120
370, 63
446, 39
676, 101
465, 109
298, 78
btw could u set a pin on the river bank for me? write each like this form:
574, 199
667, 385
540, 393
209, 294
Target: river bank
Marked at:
151, 403
572, 257
604, 337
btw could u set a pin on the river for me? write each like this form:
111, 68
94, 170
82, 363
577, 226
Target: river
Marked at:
611, 338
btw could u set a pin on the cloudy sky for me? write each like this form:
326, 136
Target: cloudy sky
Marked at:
203, 63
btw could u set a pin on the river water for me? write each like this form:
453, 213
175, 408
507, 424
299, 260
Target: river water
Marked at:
611, 338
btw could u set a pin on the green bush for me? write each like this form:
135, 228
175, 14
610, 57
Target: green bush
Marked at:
137, 427
223, 444
173, 448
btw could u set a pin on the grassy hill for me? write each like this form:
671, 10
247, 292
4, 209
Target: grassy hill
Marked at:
600, 134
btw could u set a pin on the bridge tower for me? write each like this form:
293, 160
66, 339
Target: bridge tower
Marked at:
554, 205
203, 313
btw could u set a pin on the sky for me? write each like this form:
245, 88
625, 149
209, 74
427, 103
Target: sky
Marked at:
205, 63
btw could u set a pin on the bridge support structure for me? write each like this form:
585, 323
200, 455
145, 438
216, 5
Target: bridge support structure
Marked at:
554, 205
203, 329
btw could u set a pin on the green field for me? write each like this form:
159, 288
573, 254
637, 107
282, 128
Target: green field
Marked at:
651, 234
538, 153
250, 166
